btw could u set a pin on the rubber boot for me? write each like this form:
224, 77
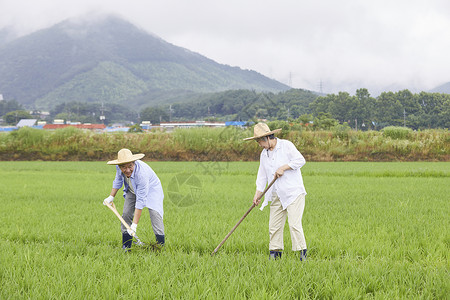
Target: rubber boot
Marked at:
302, 255
127, 240
274, 255
160, 239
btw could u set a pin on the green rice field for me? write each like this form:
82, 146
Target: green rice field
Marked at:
374, 231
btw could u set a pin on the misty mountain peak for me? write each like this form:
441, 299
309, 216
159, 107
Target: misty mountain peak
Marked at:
106, 58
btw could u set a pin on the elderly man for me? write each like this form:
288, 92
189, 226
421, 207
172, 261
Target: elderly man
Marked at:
142, 188
281, 159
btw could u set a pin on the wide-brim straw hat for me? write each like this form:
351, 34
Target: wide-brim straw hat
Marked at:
125, 156
261, 130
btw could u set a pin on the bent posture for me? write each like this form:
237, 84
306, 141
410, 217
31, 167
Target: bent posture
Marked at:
142, 188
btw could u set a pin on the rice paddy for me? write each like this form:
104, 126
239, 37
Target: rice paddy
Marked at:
374, 230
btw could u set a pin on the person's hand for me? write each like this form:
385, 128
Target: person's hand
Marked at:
132, 230
257, 198
256, 201
108, 200
279, 172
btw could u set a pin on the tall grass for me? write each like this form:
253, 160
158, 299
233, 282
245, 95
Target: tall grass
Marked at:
226, 144
396, 132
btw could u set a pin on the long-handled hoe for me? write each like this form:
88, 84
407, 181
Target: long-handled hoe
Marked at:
153, 246
243, 217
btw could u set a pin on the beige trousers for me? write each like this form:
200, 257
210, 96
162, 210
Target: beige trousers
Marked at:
294, 213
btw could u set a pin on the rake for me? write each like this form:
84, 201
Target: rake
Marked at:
243, 217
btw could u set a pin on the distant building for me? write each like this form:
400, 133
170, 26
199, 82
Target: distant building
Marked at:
190, 124
8, 128
1, 97
43, 114
26, 122
96, 127
116, 129
146, 125
236, 123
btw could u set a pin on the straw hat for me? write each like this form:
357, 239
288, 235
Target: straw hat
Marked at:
125, 156
262, 130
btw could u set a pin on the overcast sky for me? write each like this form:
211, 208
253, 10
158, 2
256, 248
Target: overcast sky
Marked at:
310, 44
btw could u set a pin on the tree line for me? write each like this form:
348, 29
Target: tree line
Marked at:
402, 108
360, 111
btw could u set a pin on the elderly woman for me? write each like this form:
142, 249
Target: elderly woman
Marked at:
142, 188
281, 159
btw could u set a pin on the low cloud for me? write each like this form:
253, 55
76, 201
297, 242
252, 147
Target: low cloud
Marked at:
336, 45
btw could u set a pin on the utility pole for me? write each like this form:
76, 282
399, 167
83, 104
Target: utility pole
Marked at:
102, 116
170, 113
404, 118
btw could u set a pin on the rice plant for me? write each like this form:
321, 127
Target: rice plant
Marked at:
374, 230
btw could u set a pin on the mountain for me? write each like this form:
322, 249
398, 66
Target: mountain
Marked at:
6, 35
113, 61
443, 89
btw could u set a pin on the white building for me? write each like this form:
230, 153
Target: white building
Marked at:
190, 124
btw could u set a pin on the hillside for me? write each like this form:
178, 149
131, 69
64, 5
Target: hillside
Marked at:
113, 61
6, 35
443, 89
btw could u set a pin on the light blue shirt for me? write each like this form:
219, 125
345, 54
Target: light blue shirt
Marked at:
146, 186
289, 186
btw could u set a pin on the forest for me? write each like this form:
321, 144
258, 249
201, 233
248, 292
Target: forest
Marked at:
360, 111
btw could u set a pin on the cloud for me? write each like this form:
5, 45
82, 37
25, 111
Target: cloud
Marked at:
343, 44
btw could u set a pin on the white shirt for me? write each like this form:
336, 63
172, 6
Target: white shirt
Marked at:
289, 186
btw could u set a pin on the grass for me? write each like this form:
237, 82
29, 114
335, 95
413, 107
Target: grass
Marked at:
225, 144
374, 230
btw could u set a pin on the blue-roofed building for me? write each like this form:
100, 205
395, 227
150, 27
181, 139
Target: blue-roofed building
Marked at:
7, 128
116, 129
236, 123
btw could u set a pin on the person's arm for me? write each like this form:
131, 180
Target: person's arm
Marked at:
133, 226
110, 198
280, 170
113, 192
261, 182
142, 180
137, 215
296, 159
256, 201
117, 185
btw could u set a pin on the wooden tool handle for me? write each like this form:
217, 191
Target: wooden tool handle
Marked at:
243, 217
114, 210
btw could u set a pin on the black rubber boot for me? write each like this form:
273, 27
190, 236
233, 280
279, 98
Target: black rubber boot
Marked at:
127, 240
274, 255
302, 255
160, 239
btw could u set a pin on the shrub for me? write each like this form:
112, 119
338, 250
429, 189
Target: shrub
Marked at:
225, 144
396, 132
27, 137
341, 131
